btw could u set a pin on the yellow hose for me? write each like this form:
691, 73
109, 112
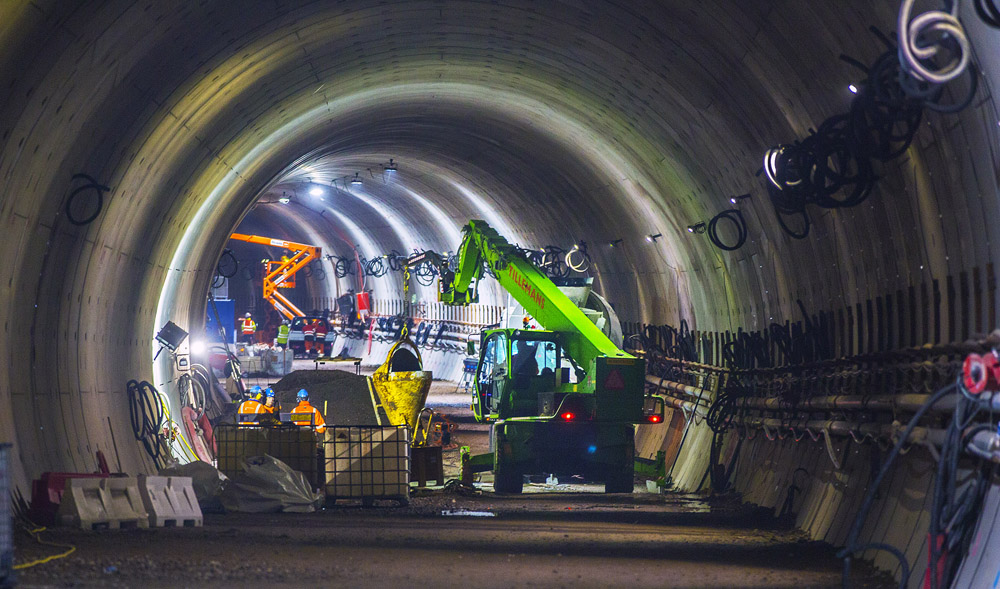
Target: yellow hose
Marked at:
172, 425
35, 533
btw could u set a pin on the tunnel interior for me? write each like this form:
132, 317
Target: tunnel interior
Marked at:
615, 124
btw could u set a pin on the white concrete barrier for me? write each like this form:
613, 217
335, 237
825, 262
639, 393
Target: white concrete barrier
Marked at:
170, 501
112, 502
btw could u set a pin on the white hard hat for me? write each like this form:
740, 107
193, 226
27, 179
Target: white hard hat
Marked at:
247, 315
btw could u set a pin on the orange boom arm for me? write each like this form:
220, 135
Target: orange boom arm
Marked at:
281, 274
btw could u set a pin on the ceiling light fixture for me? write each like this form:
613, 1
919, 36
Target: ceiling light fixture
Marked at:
316, 191
736, 199
615, 242
390, 167
697, 228
852, 88
357, 179
284, 199
652, 238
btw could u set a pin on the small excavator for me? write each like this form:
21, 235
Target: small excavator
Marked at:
561, 400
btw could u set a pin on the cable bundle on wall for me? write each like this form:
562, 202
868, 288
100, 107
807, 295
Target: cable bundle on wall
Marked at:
953, 510
834, 166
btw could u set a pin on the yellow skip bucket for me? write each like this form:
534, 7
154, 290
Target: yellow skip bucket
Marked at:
401, 384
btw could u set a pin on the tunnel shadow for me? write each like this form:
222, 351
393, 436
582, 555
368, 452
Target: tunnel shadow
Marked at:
750, 547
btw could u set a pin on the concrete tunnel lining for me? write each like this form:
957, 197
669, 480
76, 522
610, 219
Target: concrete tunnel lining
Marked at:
653, 115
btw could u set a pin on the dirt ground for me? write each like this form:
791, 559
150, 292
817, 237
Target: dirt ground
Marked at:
555, 535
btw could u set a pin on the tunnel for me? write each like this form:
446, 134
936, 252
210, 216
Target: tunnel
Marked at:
136, 137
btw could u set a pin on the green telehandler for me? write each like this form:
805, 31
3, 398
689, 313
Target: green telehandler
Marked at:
561, 400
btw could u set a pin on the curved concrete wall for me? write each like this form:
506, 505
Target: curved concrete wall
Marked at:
556, 121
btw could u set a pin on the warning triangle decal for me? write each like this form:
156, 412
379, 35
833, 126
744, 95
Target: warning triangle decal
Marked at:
614, 380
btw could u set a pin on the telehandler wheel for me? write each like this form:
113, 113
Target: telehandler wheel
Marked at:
620, 478
507, 479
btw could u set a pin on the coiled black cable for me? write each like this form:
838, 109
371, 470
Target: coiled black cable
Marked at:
98, 190
734, 216
376, 267
344, 266
833, 166
318, 272
395, 260
228, 265
988, 11
146, 416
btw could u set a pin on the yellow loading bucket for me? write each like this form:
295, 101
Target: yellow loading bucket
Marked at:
401, 384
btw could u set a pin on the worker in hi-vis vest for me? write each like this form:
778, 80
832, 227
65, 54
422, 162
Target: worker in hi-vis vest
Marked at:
252, 406
309, 335
303, 409
248, 328
321, 331
283, 331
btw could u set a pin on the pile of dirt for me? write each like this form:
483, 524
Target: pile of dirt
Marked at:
341, 396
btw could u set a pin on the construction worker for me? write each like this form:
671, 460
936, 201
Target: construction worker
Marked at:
249, 328
309, 335
304, 408
283, 331
270, 401
252, 406
321, 331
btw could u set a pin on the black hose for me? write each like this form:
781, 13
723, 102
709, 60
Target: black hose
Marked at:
146, 416
852, 546
98, 190
989, 12
734, 216
228, 265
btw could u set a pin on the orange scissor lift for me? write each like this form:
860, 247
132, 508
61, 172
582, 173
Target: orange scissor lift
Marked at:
281, 273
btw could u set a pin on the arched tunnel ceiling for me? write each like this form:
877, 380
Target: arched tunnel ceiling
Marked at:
562, 120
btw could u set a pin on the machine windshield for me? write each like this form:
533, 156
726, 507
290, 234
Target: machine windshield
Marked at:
534, 357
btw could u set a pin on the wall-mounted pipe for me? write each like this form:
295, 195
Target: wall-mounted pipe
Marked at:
676, 387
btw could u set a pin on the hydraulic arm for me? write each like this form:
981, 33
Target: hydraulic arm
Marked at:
544, 420
529, 286
281, 273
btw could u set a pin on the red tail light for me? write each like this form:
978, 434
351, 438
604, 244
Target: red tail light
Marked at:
568, 416
653, 419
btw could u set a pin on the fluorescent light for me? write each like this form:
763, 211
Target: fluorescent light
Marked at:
356, 180
284, 200
852, 88
390, 167
316, 191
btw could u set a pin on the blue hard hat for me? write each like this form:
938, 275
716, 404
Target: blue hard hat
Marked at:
269, 392
255, 389
302, 395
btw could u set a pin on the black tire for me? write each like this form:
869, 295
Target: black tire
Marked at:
507, 480
506, 477
621, 479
